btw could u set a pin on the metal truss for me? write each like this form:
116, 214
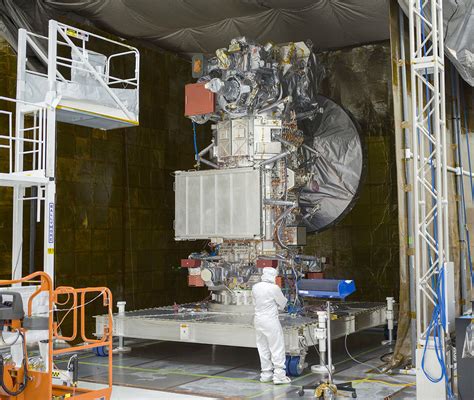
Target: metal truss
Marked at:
430, 193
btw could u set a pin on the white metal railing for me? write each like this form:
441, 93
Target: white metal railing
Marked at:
24, 138
70, 64
70, 58
66, 35
6, 139
69, 34
34, 40
39, 197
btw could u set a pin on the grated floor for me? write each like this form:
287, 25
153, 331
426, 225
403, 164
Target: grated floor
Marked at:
170, 370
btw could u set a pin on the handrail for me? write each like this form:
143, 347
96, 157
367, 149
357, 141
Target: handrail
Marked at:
85, 33
39, 51
45, 279
35, 138
107, 68
46, 285
27, 103
107, 297
69, 291
92, 70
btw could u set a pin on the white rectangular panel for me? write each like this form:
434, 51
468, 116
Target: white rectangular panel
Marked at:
218, 204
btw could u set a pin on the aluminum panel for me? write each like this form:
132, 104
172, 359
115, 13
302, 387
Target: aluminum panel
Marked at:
224, 145
236, 329
240, 137
218, 204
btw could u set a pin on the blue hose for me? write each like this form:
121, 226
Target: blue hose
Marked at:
196, 151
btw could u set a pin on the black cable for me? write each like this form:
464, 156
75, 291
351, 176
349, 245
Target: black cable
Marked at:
22, 386
14, 342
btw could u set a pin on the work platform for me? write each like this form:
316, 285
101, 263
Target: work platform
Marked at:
195, 323
88, 104
84, 86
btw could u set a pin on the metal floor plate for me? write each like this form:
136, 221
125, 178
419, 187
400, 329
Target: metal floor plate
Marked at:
198, 312
233, 372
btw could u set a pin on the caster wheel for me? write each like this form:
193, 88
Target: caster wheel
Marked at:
301, 392
354, 395
101, 351
294, 367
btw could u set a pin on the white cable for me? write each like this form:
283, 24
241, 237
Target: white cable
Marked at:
72, 308
368, 365
356, 361
82, 305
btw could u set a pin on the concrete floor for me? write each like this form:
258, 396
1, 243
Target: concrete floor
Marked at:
133, 393
158, 370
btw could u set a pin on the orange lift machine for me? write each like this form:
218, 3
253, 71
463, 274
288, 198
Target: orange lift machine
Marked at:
27, 363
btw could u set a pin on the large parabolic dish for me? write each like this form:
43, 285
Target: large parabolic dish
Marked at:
336, 166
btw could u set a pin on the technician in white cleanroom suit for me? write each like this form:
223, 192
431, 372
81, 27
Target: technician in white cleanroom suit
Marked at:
268, 300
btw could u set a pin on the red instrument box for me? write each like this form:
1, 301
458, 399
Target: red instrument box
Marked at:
195, 281
198, 100
263, 263
315, 275
190, 263
279, 281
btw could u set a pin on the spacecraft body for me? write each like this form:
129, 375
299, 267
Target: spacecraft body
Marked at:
284, 162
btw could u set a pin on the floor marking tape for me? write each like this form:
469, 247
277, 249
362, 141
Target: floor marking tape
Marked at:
174, 372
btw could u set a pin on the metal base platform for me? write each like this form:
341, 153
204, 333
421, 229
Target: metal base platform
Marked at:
195, 323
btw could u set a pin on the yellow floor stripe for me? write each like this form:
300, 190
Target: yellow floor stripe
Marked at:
310, 373
164, 371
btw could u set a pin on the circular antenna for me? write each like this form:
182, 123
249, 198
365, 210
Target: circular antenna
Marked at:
333, 161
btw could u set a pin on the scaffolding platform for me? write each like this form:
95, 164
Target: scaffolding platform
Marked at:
90, 88
87, 109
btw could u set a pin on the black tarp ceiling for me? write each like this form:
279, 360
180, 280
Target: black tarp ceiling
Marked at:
190, 26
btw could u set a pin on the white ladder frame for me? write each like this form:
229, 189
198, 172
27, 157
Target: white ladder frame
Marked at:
43, 177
